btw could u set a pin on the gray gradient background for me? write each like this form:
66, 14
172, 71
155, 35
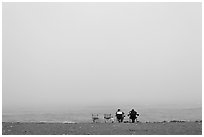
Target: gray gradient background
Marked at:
82, 54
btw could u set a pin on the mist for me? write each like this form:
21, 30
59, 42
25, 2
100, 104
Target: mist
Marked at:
58, 55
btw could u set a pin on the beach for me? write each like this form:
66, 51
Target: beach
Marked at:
145, 128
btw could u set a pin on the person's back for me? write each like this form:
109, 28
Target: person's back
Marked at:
133, 115
119, 115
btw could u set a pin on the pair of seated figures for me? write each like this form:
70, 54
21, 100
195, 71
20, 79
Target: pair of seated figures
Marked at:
132, 115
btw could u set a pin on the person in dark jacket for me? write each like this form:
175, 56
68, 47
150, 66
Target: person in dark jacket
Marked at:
120, 115
133, 115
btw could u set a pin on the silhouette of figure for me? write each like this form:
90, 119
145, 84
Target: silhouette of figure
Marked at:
133, 115
120, 115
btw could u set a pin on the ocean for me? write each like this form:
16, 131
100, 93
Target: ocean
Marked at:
84, 115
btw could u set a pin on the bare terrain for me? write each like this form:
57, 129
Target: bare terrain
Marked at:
155, 128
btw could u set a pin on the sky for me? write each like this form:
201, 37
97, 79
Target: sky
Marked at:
82, 54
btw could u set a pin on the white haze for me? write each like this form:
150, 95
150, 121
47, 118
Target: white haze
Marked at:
58, 55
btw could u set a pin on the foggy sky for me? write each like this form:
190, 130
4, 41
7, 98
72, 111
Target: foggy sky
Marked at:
80, 54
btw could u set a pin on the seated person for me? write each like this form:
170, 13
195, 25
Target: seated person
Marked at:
133, 115
120, 115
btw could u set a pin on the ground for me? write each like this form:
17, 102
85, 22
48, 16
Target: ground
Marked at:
156, 128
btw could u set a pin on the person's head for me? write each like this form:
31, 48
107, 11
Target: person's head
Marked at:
133, 110
118, 109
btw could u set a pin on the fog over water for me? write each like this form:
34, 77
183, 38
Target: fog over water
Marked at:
68, 57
